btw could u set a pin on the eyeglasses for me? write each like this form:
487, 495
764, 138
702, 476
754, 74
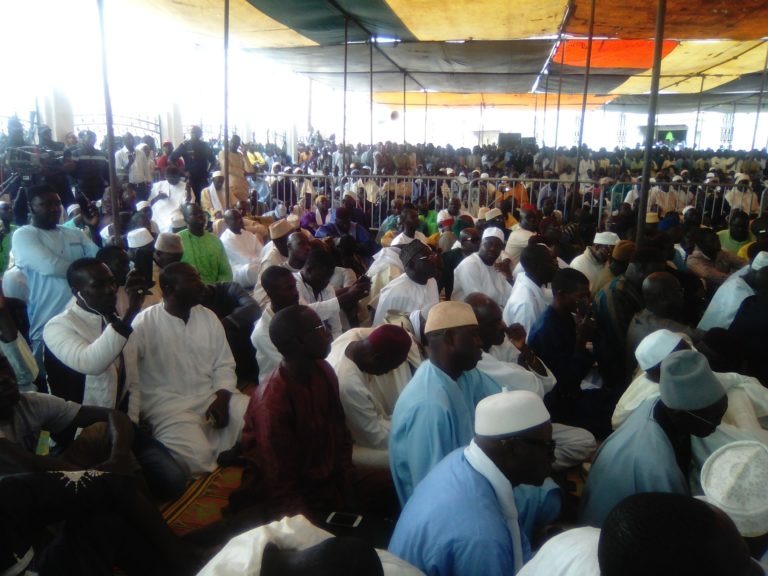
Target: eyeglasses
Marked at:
712, 424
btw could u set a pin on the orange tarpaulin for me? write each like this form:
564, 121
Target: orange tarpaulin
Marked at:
611, 53
570, 101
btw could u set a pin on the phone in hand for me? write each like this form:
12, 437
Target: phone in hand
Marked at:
344, 519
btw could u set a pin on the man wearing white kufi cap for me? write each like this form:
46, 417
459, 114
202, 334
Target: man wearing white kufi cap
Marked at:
435, 413
477, 273
652, 452
595, 257
742, 197
476, 511
729, 296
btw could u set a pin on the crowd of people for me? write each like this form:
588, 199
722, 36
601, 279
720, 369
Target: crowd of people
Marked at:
490, 382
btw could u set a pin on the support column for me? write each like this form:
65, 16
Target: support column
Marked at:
113, 187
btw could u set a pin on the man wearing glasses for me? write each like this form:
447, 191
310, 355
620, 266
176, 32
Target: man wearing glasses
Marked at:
475, 512
651, 452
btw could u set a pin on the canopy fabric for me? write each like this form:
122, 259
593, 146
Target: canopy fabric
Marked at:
416, 99
480, 50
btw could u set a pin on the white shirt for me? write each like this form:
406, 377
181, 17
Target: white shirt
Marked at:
745, 201
141, 170
165, 211
571, 553
516, 243
328, 297
243, 554
506, 352
405, 295
473, 275
271, 258
509, 375
725, 303
267, 356
181, 364
403, 238
368, 399
526, 303
587, 265
243, 252
77, 338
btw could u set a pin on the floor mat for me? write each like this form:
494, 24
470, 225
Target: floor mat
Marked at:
202, 502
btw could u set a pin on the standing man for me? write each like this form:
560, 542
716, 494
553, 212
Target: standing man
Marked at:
44, 250
198, 160
134, 165
213, 198
6, 233
239, 167
202, 249
91, 171
187, 373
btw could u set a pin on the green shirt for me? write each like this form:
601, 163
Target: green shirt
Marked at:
729, 244
5, 249
206, 253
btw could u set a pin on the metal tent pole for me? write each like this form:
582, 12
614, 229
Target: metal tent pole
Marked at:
226, 103
370, 56
760, 98
344, 133
404, 78
698, 111
113, 187
575, 193
559, 94
661, 10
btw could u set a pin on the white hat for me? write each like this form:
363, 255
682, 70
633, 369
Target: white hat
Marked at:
139, 237
449, 314
710, 175
492, 213
688, 209
178, 222
450, 171
280, 211
606, 238
169, 242
350, 194
71, 208
141, 205
655, 347
760, 261
741, 178
279, 229
687, 381
507, 413
733, 479
293, 220
484, 176
677, 179
493, 232
216, 174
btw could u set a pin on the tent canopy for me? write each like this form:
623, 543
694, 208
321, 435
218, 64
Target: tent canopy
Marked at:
502, 53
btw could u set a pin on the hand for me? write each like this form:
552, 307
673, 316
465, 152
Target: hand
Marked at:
218, 411
136, 288
516, 334
362, 287
161, 196
585, 329
505, 267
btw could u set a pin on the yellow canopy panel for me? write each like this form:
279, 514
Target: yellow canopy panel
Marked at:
719, 61
419, 99
248, 26
436, 20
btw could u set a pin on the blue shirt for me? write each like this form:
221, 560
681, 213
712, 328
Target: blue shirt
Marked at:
453, 524
44, 256
433, 416
637, 458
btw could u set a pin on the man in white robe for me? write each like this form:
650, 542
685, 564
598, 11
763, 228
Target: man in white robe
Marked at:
528, 300
373, 366
166, 199
187, 373
595, 257
242, 248
478, 273
414, 290
289, 250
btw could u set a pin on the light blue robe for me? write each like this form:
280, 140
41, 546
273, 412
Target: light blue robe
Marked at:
433, 416
453, 524
638, 457
44, 256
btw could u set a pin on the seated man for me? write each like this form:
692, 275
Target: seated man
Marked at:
289, 249
726, 301
478, 272
313, 285
709, 261
671, 534
280, 286
295, 441
187, 373
243, 249
344, 226
738, 234
203, 250
435, 413
373, 369
93, 351
651, 452
574, 445
168, 249
595, 257
472, 514
414, 290
409, 224
518, 239
469, 243
167, 198
527, 301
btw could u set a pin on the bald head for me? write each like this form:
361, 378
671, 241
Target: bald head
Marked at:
663, 294
341, 556
299, 335
489, 319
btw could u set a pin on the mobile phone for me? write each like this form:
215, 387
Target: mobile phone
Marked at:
344, 519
